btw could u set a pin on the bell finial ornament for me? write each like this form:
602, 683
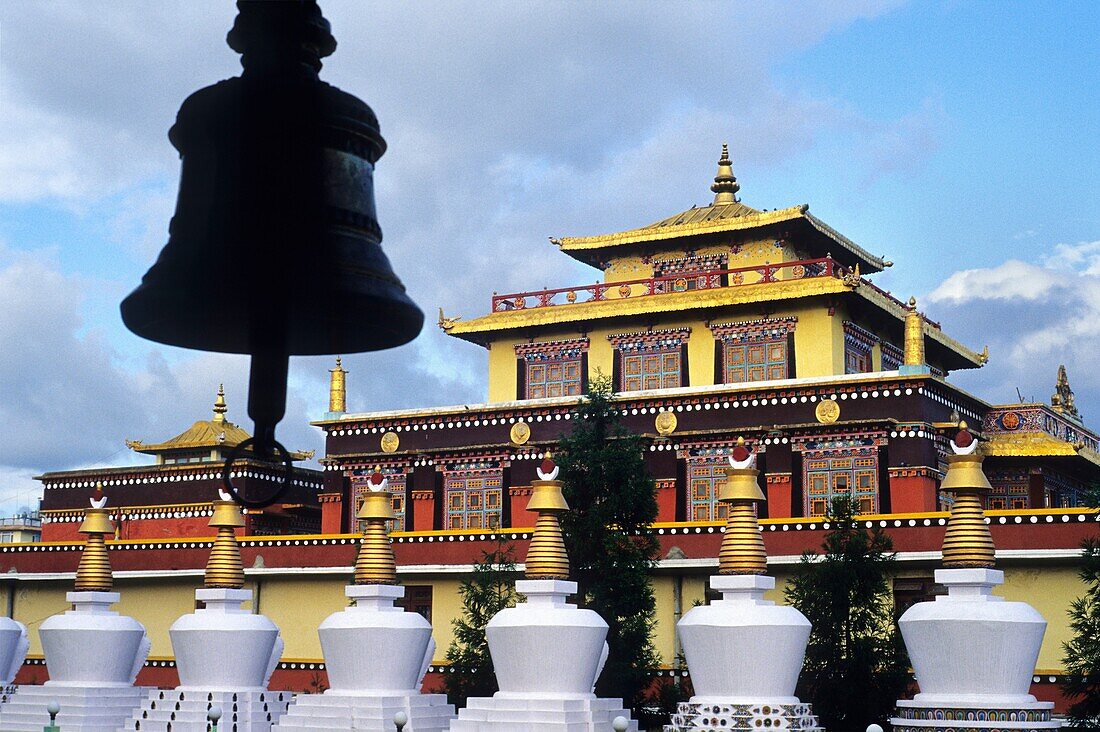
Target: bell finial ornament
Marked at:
276, 187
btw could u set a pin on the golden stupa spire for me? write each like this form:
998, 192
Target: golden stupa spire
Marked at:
742, 550
1062, 401
914, 336
94, 572
725, 185
546, 557
337, 390
224, 567
219, 405
375, 564
967, 542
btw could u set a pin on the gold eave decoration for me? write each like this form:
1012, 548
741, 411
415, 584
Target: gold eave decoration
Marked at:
1036, 445
827, 411
390, 442
520, 433
665, 423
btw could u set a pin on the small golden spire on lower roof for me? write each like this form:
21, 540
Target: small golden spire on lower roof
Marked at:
224, 567
725, 185
742, 550
375, 563
546, 555
967, 541
219, 405
94, 572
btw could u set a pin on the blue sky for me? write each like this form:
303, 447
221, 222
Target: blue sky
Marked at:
956, 138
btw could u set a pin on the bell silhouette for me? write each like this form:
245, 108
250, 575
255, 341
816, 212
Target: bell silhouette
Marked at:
275, 249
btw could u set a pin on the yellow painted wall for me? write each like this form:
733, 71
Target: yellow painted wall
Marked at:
819, 346
298, 604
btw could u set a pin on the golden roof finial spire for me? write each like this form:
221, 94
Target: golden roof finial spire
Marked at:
1063, 400
219, 405
967, 542
375, 564
546, 556
742, 550
337, 390
224, 567
94, 572
725, 185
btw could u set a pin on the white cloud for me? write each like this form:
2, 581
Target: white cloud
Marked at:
1011, 280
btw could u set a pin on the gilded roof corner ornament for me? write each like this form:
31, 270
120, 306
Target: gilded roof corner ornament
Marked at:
983, 357
554, 240
446, 323
852, 277
134, 444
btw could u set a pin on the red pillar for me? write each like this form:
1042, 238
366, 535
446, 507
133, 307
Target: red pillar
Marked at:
913, 490
780, 492
332, 512
518, 498
423, 510
666, 500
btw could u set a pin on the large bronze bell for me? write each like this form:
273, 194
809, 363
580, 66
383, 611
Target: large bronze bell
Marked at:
275, 248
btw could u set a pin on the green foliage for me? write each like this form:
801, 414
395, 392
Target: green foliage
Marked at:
1081, 654
612, 499
487, 591
856, 666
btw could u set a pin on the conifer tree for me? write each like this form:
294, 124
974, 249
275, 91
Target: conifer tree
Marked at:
1081, 654
856, 666
612, 502
487, 591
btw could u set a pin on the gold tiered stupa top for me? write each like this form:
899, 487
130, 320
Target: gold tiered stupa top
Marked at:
224, 567
546, 557
94, 572
742, 550
967, 542
375, 564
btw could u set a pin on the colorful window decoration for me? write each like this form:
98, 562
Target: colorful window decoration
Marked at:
858, 343
651, 360
689, 272
397, 478
472, 495
892, 357
1011, 488
755, 350
554, 369
706, 472
842, 466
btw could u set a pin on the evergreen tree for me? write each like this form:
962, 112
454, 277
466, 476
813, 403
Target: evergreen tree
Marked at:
612, 502
856, 666
1082, 652
487, 591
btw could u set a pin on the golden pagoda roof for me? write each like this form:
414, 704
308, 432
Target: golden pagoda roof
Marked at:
1035, 445
723, 218
209, 434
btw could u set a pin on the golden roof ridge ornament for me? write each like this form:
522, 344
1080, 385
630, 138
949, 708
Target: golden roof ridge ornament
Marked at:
967, 541
337, 389
913, 361
94, 572
224, 567
1062, 401
375, 563
725, 185
546, 556
742, 550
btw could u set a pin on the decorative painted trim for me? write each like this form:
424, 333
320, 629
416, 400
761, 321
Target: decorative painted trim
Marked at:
552, 349
759, 329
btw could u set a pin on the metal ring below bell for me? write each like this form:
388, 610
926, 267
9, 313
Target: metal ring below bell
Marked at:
267, 500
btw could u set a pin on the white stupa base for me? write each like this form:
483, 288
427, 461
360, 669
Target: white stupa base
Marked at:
923, 716
506, 713
184, 710
371, 712
83, 708
700, 715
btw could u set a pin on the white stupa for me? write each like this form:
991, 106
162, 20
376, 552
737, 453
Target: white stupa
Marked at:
744, 652
973, 653
14, 643
376, 654
547, 653
225, 654
93, 654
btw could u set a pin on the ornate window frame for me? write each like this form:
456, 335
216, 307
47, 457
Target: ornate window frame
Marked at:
650, 357
766, 336
558, 368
